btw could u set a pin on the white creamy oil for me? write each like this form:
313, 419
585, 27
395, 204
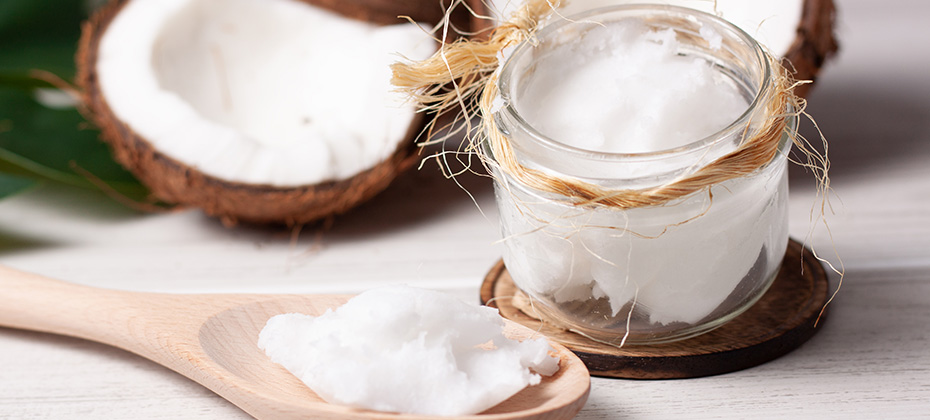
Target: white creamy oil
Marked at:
622, 88
269, 92
408, 350
614, 103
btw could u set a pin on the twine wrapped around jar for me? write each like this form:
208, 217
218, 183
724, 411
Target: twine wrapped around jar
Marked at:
462, 77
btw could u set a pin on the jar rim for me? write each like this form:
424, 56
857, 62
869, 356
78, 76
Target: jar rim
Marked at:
507, 71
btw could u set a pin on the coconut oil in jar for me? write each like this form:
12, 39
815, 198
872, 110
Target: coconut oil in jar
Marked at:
639, 98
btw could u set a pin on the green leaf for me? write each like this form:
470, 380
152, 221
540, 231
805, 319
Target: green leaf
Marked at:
57, 144
40, 34
10, 184
40, 142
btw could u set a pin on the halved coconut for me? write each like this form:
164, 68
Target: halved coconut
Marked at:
256, 110
799, 31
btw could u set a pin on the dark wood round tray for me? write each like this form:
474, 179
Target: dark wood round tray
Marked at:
782, 320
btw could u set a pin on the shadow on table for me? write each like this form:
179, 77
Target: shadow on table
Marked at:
16, 242
416, 197
57, 200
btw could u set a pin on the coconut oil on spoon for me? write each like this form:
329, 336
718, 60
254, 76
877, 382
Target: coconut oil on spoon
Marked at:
211, 339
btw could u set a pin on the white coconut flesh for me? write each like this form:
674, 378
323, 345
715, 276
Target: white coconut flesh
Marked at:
267, 92
772, 23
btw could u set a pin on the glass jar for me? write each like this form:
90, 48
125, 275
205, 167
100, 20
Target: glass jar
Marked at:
647, 274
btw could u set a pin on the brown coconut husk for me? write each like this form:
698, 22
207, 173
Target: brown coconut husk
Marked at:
814, 45
174, 182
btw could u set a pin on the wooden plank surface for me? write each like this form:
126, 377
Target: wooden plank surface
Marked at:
870, 361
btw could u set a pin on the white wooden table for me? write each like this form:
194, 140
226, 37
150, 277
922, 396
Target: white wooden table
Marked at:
870, 360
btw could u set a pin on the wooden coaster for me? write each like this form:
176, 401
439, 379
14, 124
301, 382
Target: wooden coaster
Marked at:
778, 323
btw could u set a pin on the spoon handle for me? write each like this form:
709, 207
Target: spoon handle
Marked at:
128, 320
32, 302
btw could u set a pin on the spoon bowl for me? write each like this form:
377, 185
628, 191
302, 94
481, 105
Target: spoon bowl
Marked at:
212, 339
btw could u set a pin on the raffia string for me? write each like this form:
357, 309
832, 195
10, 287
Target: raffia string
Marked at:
463, 76
466, 64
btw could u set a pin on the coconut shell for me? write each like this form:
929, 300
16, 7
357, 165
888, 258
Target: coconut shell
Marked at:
233, 202
814, 44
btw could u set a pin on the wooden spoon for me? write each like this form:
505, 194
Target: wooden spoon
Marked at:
211, 339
